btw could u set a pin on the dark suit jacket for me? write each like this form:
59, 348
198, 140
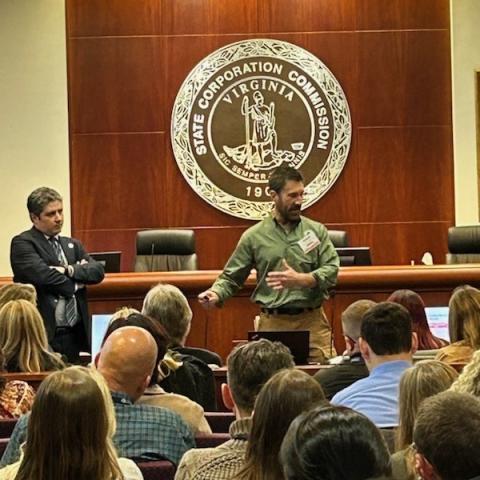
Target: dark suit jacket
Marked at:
31, 256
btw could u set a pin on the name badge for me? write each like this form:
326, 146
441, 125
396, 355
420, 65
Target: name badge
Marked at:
309, 241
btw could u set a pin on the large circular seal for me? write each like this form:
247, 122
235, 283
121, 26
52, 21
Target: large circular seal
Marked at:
250, 107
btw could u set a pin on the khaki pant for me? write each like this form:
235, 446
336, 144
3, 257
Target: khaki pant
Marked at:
321, 346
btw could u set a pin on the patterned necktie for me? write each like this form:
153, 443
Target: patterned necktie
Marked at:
70, 303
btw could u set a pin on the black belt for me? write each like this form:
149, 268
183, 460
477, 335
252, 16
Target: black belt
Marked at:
287, 310
63, 330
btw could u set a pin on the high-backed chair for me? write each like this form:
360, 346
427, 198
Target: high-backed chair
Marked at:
339, 238
165, 250
464, 244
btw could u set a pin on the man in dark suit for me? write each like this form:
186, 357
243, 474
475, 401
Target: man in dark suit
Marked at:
59, 268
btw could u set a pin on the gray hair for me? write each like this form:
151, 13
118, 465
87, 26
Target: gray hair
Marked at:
167, 304
40, 198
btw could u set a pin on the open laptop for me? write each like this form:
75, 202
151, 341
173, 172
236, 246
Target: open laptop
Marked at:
99, 327
437, 318
296, 340
109, 260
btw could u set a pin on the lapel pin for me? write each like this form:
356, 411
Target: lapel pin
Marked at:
70, 245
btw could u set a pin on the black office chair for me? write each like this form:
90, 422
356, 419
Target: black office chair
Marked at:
339, 238
464, 244
165, 250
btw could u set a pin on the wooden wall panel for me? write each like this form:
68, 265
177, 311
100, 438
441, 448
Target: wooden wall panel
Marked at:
115, 17
127, 59
126, 176
404, 78
117, 85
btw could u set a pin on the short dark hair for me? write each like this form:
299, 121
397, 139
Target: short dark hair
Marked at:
157, 331
251, 365
387, 328
446, 434
334, 443
40, 198
281, 175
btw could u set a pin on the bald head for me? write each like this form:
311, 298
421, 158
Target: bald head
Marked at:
127, 359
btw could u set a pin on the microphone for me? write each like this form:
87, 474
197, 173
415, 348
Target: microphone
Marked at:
152, 252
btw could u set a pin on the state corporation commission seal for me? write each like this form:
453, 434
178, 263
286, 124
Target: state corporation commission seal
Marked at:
250, 107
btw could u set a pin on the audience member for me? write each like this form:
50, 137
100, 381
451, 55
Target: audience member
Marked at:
352, 366
185, 370
463, 326
285, 396
126, 361
423, 380
334, 443
17, 291
70, 432
23, 339
191, 412
168, 305
16, 396
414, 304
446, 437
387, 344
469, 380
249, 366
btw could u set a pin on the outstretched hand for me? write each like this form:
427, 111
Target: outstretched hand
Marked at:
289, 278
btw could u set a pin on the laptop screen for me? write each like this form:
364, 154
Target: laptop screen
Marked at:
99, 327
437, 318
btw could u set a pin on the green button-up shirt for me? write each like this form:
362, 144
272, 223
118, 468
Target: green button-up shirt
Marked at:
263, 247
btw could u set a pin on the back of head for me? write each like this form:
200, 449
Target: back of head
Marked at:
23, 338
154, 328
387, 328
334, 443
70, 429
167, 304
40, 198
285, 396
352, 317
446, 435
281, 175
469, 380
464, 315
127, 359
251, 365
17, 291
423, 380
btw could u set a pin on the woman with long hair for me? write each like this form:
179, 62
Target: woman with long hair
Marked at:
423, 380
414, 304
334, 443
287, 394
23, 339
469, 380
463, 326
70, 432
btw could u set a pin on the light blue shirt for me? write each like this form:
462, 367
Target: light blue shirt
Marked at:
376, 396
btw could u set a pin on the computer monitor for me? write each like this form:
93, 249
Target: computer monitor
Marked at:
297, 342
437, 318
99, 327
109, 260
354, 256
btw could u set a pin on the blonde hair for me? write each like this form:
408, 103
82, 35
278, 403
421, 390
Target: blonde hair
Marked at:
23, 338
122, 312
71, 429
469, 380
423, 380
167, 304
17, 291
464, 316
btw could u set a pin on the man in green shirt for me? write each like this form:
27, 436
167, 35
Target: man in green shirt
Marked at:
296, 264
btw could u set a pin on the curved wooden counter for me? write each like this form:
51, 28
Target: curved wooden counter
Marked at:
215, 329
